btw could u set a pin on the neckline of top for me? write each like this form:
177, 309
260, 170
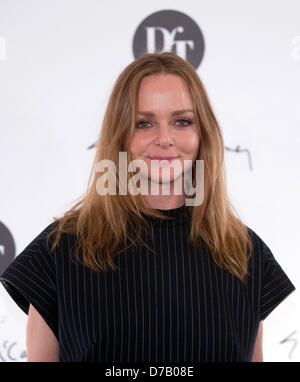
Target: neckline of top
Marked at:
177, 215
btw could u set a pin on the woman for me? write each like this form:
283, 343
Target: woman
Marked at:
150, 277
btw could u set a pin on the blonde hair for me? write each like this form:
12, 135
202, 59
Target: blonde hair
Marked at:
104, 223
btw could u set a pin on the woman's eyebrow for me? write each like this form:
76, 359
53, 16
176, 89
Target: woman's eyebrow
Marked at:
176, 112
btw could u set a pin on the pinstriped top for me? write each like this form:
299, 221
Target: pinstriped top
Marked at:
175, 305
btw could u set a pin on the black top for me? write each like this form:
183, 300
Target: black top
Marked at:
175, 305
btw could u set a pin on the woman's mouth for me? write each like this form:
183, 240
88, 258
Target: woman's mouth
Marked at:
160, 159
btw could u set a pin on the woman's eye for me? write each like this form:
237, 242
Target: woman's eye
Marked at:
143, 124
187, 122
138, 124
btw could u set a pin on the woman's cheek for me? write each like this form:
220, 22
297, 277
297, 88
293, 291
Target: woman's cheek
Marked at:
136, 147
190, 143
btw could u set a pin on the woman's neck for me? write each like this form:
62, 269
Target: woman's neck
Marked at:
165, 202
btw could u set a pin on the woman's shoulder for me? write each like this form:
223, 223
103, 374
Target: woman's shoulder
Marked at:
38, 258
259, 244
42, 243
262, 254
268, 264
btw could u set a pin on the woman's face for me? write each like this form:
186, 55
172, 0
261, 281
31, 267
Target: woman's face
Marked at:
165, 124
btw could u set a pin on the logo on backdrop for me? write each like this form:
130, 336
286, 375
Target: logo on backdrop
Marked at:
7, 247
170, 31
10, 351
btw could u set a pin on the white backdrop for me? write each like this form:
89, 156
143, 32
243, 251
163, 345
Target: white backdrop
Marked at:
58, 63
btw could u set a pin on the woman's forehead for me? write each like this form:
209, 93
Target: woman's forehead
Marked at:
159, 92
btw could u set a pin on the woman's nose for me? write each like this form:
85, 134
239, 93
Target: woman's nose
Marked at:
165, 134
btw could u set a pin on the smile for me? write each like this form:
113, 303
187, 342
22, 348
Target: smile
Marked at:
169, 159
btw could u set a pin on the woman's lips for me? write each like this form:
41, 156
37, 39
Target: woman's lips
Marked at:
169, 159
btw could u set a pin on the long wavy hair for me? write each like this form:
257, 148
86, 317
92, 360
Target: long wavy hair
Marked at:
105, 225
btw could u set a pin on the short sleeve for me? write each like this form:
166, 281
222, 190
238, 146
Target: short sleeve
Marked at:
31, 279
276, 285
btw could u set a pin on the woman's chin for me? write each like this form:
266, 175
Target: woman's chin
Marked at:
163, 179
